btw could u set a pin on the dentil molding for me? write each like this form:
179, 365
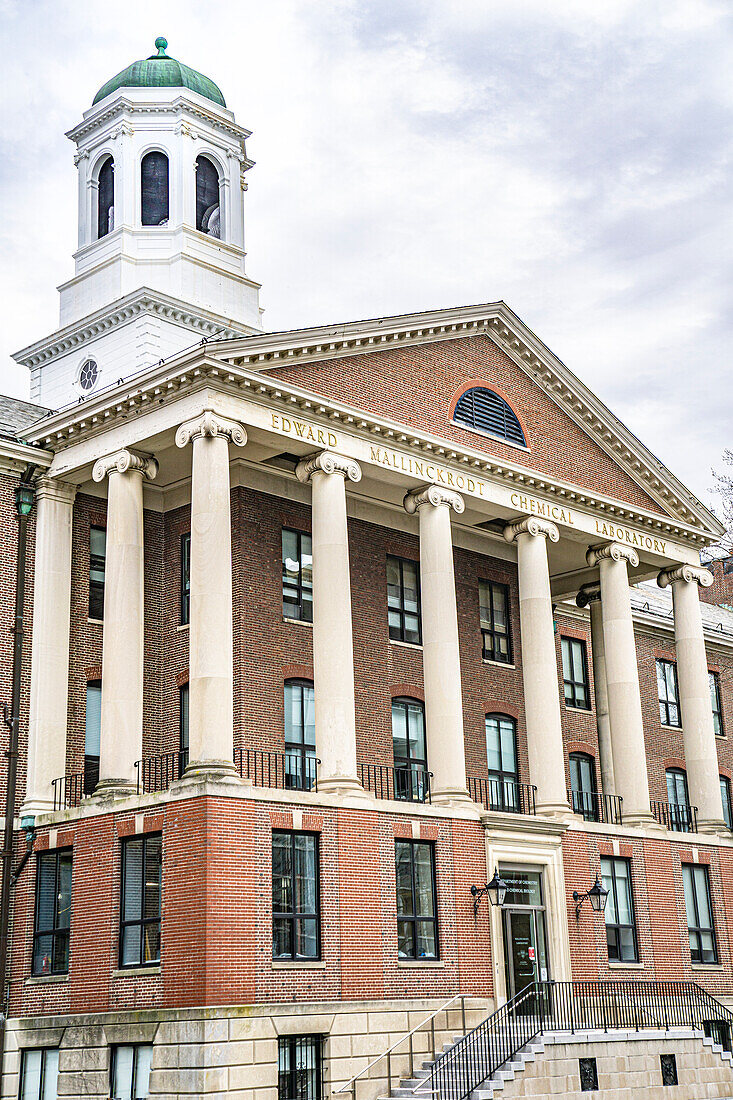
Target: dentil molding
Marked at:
208, 426
328, 462
530, 525
121, 462
435, 496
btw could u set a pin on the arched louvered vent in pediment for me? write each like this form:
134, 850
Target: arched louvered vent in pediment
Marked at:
485, 411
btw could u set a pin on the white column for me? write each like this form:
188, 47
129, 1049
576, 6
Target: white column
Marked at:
333, 644
701, 753
441, 657
539, 663
121, 739
50, 645
622, 677
211, 633
590, 597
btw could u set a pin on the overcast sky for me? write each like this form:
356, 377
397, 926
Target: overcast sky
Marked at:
572, 158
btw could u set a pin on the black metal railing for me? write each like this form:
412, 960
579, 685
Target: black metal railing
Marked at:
290, 771
156, 773
68, 791
592, 806
570, 1007
673, 815
408, 784
505, 795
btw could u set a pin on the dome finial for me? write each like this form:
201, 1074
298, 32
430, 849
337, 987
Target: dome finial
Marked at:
161, 45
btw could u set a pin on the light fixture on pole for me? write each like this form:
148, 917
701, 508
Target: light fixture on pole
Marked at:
496, 891
597, 895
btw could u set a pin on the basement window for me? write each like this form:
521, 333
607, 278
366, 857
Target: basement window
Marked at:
588, 1074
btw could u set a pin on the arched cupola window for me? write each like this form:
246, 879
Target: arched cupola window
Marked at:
154, 189
106, 198
208, 202
485, 411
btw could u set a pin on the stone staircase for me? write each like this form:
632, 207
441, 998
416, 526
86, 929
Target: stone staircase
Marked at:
628, 1063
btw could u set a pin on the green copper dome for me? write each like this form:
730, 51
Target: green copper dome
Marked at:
161, 71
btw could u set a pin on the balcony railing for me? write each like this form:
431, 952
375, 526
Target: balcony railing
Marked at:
408, 784
68, 791
504, 795
592, 806
673, 815
156, 773
288, 771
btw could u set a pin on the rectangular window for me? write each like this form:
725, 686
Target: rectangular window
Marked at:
142, 872
575, 673
669, 700
183, 722
417, 926
403, 600
296, 931
130, 1071
495, 626
97, 555
703, 948
185, 578
52, 931
620, 923
297, 560
39, 1074
725, 799
715, 704
92, 735
299, 1067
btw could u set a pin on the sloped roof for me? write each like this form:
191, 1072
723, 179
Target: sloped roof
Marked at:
16, 415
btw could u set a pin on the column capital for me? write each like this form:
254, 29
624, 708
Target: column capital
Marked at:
122, 462
690, 574
616, 551
328, 462
209, 425
435, 496
588, 594
531, 525
53, 489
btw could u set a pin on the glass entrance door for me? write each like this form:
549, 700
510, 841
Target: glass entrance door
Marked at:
525, 945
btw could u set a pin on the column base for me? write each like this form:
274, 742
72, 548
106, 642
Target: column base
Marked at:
35, 808
558, 811
344, 785
641, 820
449, 796
114, 788
713, 827
208, 771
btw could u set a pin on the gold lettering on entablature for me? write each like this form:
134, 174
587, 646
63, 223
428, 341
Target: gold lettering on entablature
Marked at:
428, 471
544, 508
300, 429
631, 538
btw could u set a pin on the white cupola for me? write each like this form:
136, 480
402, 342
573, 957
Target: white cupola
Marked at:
160, 260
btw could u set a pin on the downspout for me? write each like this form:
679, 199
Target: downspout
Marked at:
24, 504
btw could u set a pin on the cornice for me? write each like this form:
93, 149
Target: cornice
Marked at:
127, 105
14, 457
197, 367
122, 312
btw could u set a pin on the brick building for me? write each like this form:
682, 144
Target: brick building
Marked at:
328, 625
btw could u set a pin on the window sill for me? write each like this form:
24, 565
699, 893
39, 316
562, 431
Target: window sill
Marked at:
95, 622
706, 966
616, 964
136, 971
297, 622
497, 664
670, 726
298, 964
182, 626
406, 645
582, 710
46, 979
410, 964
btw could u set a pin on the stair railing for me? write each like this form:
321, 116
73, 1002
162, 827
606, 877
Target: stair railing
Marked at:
408, 1037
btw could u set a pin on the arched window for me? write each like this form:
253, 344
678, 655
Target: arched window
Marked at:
208, 212
300, 735
154, 189
501, 758
583, 792
484, 411
106, 199
410, 756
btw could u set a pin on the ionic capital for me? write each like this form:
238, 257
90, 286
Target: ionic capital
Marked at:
327, 462
208, 426
690, 574
588, 594
435, 496
613, 550
122, 462
531, 525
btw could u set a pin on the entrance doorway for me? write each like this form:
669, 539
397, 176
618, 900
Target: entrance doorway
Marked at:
525, 939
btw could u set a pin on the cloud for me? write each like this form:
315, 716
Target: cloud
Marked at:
571, 158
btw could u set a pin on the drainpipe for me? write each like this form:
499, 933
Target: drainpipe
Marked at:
24, 493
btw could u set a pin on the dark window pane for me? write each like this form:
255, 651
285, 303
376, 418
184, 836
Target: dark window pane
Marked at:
154, 188
106, 199
417, 935
208, 214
